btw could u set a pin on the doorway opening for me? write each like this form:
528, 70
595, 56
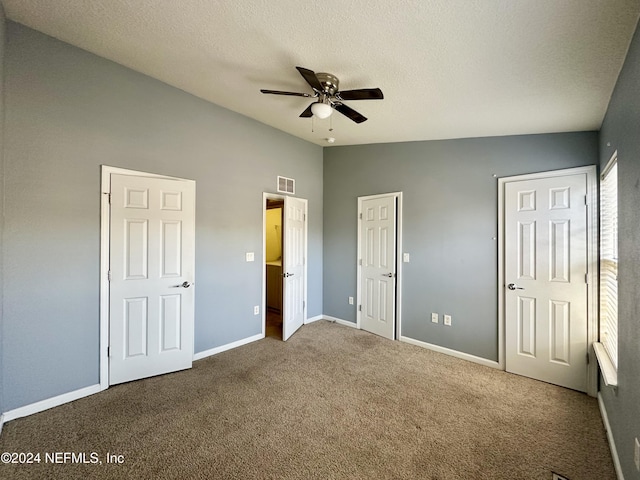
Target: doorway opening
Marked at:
284, 273
379, 270
273, 267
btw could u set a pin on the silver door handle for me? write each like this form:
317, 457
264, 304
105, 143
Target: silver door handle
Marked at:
513, 286
390, 275
184, 285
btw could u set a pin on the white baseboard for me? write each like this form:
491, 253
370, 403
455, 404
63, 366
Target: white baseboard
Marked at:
228, 346
51, 402
612, 444
1, 423
453, 353
339, 321
313, 319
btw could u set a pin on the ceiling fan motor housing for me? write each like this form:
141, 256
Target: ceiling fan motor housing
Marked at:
329, 83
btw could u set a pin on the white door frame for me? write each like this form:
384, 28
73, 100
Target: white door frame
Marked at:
398, 313
592, 264
275, 196
105, 221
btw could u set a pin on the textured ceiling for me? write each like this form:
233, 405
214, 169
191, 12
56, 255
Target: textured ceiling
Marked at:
448, 68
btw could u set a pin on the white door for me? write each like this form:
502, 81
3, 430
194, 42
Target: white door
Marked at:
378, 232
293, 265
545, 279
152, 273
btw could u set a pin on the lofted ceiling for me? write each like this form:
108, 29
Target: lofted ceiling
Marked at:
447, 68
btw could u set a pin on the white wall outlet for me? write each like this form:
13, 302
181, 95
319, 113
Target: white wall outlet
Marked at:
434, 317
256, 310
250, 256
636, 454
405, 257
350, 300
447, 320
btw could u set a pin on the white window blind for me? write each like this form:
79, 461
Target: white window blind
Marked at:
609, 261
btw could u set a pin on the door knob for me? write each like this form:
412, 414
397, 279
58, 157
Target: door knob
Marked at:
286, 275
513, 286
390, 275
185, 285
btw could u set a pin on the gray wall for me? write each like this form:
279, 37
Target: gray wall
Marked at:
68, 112
450, 222
2, 46
621, 129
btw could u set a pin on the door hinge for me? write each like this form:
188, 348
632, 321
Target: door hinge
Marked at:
360, 262
109, 276
108, 351
360, 215
586, 278
587, 358
359, 308
586, 201
304, 304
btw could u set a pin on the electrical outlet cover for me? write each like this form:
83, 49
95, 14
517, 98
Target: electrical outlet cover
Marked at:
350, 300
636, 454
447, 320
256, 310
434, 317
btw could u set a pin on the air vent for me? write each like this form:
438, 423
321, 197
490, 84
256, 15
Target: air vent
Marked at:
286, 185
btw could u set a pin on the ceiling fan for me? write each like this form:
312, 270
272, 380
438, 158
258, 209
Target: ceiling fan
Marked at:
325, 89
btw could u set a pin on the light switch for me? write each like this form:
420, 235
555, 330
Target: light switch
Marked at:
250, 256
405, 257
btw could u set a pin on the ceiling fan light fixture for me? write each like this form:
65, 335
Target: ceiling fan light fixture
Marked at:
321, 110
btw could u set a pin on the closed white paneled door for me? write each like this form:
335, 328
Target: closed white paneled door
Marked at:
293, 266
378, 233
151, 290
546, 310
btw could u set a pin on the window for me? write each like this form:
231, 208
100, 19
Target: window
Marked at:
609, 261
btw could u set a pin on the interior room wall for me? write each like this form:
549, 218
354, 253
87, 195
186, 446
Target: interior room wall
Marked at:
620, 131
2, 48
274, 234
67, 113
449, 226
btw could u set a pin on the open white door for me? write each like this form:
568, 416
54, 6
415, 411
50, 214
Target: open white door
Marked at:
377, 245
293, 265
151, 292
546, 264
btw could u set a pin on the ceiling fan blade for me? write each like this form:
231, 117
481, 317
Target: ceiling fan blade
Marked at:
307, 113
310, 77
349, 112
362, 94
278, 92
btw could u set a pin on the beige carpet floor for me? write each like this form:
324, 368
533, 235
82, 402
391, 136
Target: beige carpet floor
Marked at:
331, 403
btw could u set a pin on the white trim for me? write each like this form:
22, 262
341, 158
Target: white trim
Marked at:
397, 328
453, 353
1, 422
610, 164
607, 368
592, 263
612, 444
339, 321
51, 402
105, 190
313, 319
228, 346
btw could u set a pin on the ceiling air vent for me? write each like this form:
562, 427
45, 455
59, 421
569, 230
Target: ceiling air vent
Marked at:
286, 185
